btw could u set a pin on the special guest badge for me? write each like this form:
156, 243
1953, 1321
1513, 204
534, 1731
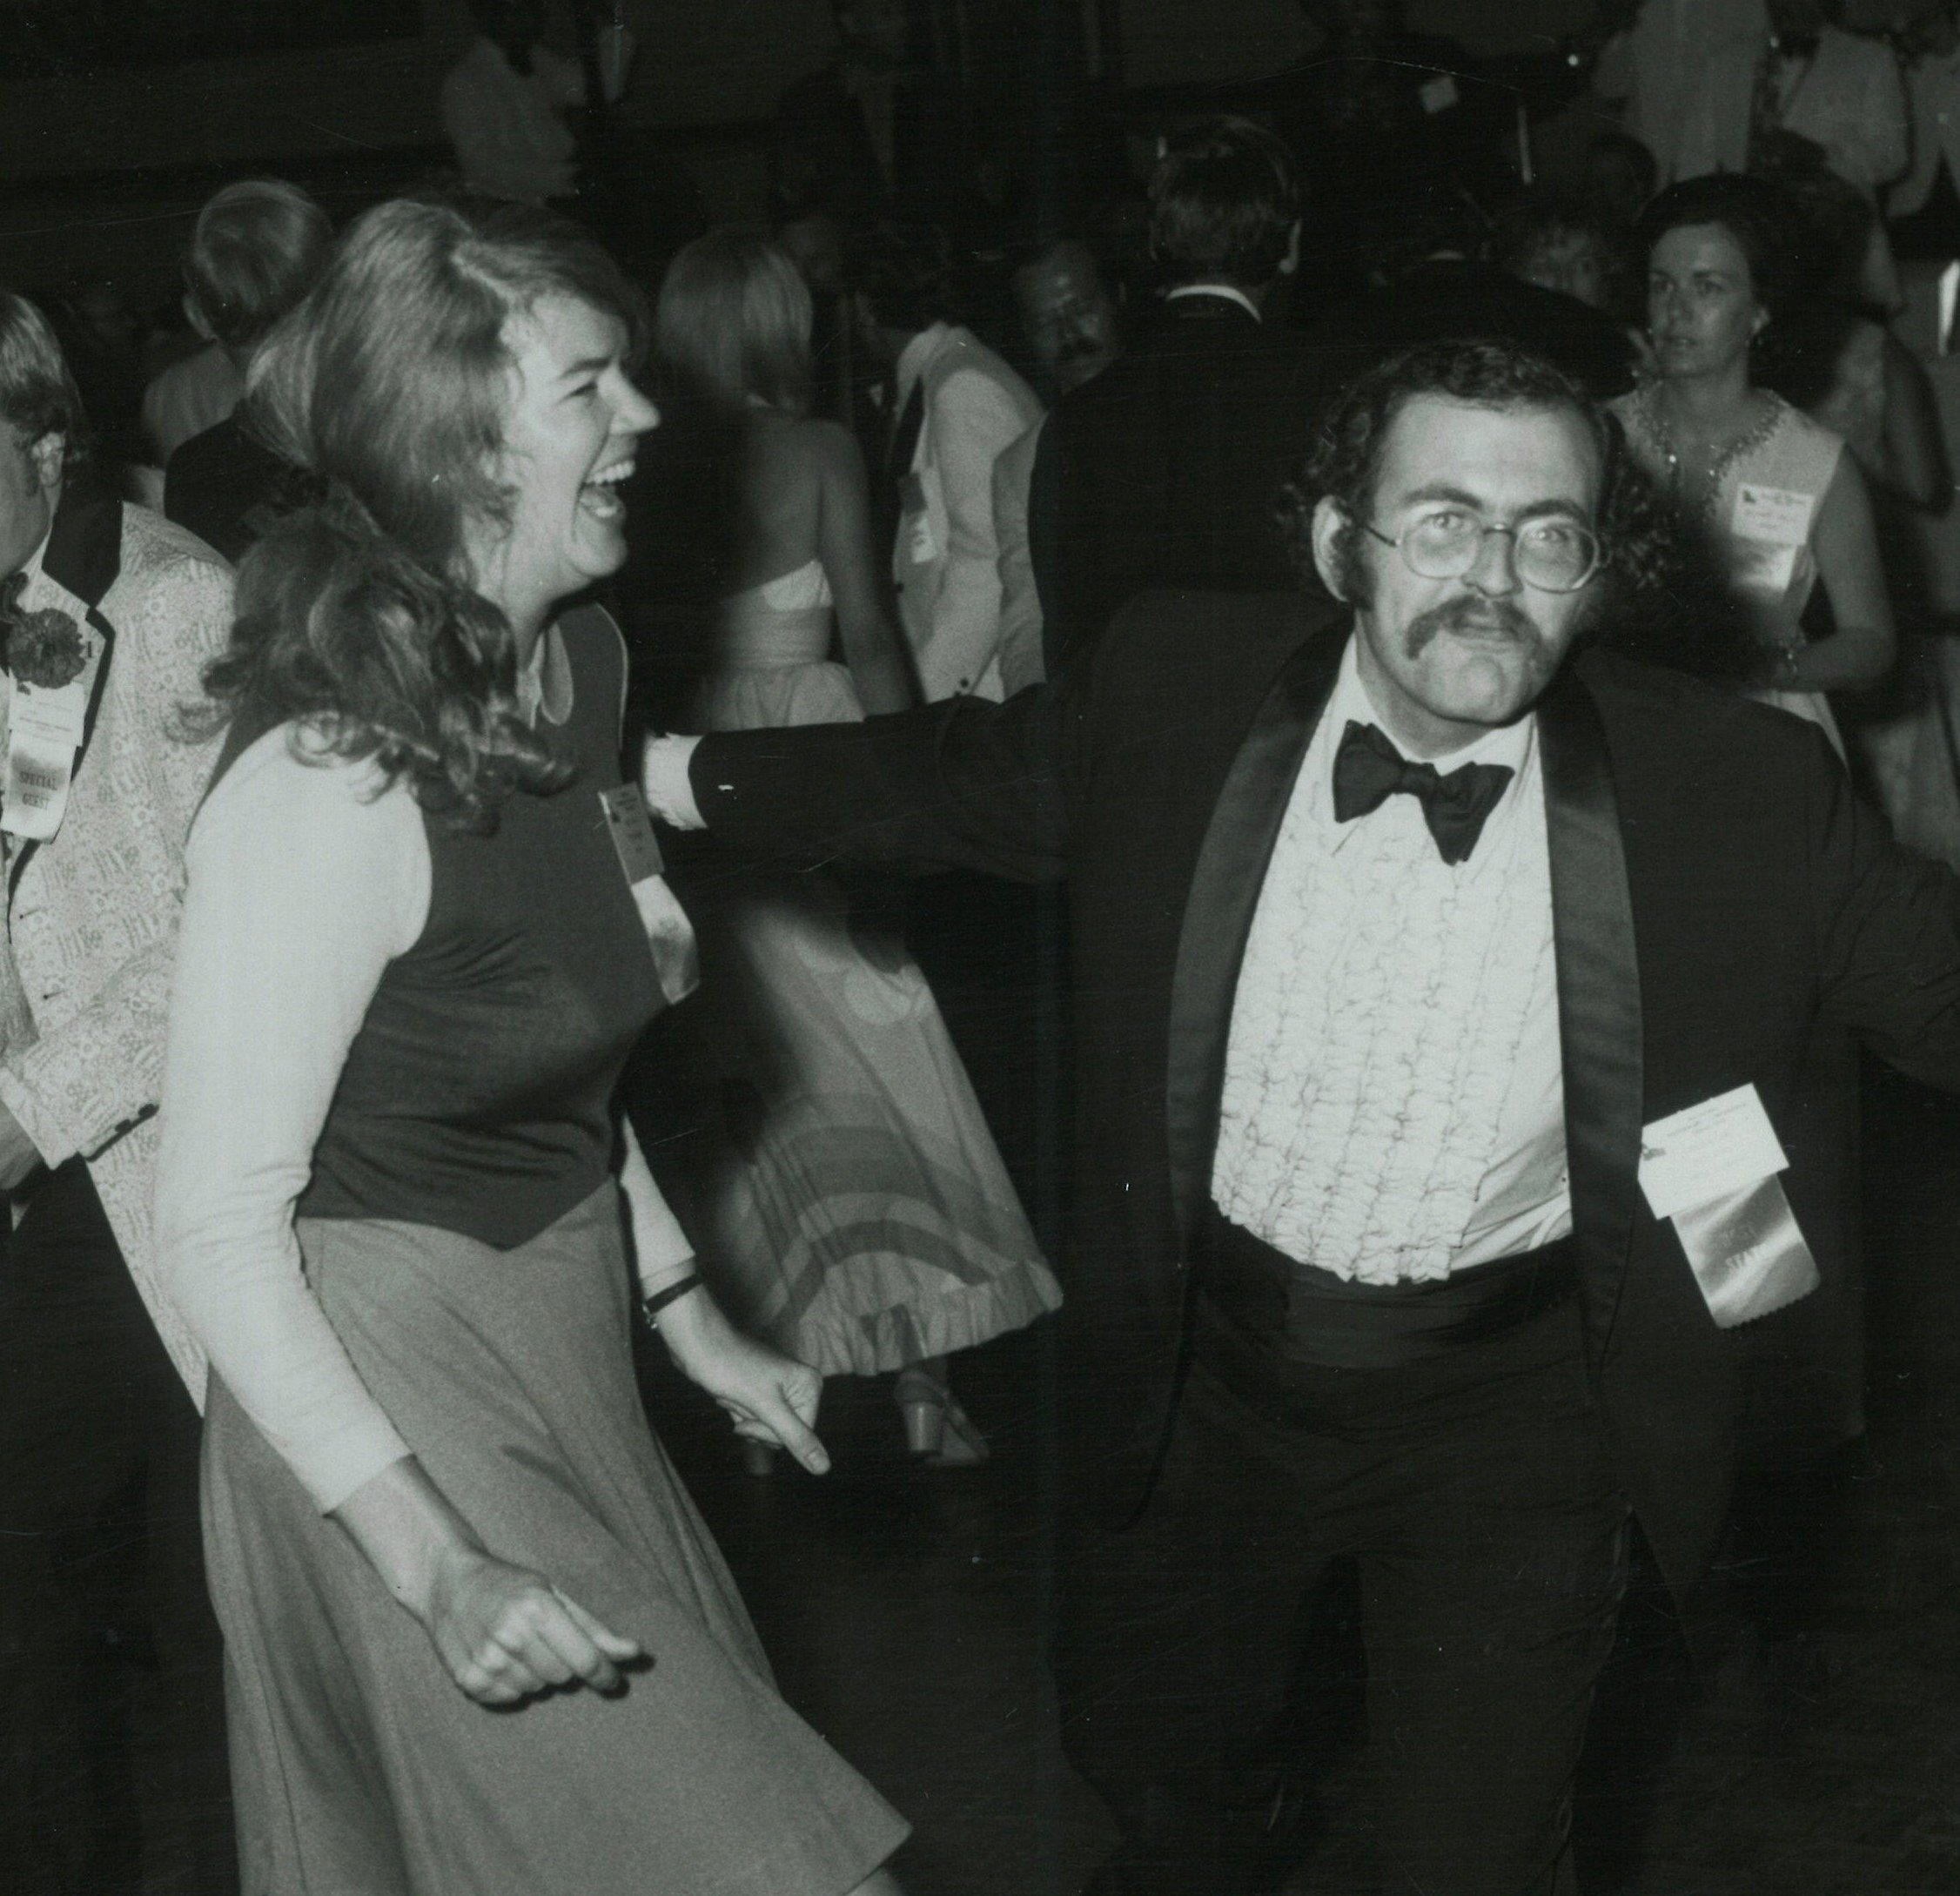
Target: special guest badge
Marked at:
53, 662
1715, 1170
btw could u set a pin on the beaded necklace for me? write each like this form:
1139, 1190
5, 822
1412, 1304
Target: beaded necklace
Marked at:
1661, 434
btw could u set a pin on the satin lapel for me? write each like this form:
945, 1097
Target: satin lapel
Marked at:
1224, 891
1599, 996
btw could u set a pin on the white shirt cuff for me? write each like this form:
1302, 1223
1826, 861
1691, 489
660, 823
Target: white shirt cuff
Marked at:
663, 782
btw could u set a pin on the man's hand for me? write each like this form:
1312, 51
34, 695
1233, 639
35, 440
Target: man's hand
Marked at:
19, 1155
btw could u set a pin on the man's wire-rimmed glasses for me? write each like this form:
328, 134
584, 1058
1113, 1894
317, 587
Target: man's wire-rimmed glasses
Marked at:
1553, 554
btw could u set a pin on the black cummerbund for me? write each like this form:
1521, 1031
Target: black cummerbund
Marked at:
1305, 1314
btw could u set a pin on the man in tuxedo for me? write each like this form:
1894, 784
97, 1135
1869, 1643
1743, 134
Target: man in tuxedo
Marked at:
1401, 934
1165, 469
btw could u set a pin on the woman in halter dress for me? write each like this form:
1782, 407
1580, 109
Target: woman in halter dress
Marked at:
1784, 504
849, 1204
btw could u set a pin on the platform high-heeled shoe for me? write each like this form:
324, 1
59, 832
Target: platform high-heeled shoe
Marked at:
937, 1429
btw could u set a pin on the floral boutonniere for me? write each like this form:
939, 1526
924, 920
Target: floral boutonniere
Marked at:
46, 649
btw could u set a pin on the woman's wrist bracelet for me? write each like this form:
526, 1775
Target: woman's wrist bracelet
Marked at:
652, 1305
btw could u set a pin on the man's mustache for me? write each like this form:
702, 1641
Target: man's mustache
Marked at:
1479, 616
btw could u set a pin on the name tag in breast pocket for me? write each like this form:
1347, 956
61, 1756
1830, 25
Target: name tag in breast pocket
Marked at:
1714, 1171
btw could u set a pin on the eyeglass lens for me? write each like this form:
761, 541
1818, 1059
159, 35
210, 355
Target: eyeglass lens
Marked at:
1555, 555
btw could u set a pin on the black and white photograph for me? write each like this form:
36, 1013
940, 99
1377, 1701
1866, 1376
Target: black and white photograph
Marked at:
980, 947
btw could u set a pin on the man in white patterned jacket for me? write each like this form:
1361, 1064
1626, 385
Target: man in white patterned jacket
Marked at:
108, 615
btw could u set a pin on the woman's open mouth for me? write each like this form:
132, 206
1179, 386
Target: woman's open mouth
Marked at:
600, 495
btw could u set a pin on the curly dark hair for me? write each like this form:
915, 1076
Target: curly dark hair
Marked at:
388, 388
1659, 594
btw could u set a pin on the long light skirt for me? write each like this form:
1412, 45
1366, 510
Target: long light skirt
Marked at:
360, 1769
849, 1201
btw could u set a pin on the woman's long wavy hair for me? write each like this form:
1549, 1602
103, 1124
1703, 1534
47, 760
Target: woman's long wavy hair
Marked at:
389, 385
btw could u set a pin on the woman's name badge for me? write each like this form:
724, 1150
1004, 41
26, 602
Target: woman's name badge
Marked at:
670, 935
1713, 1170
631, 831
44, 731
1774, 516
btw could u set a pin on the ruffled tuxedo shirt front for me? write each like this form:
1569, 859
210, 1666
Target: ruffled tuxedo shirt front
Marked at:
1393, 1104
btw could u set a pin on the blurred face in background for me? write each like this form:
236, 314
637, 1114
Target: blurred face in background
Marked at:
815, 244
1571, 262
1702, 312
1067, 314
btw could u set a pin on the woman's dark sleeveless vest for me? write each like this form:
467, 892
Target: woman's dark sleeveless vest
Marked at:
476, 1096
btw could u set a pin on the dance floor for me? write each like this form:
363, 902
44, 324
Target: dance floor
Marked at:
904, 1609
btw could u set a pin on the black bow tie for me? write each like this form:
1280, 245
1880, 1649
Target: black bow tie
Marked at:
1369, 770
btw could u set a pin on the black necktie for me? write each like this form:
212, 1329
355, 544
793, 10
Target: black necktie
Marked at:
1369, 770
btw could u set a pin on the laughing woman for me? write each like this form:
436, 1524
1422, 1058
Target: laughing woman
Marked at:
419, 941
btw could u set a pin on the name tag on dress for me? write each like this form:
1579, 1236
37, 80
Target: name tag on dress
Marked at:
1770, 526
631, 831
670, 935
1712, 1169
1774, 516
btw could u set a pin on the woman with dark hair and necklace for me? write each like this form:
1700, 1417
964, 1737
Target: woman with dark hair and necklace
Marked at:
1783, 504
424, 925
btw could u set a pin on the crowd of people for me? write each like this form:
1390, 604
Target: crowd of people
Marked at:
1389, 667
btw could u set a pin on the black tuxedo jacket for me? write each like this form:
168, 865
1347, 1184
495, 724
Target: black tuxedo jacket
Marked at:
1721, 906
1165, 470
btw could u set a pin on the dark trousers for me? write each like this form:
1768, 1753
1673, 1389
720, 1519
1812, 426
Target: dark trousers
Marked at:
1475, 1494
112, 1745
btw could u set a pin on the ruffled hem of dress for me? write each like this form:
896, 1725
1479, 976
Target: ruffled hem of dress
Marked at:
844, 1342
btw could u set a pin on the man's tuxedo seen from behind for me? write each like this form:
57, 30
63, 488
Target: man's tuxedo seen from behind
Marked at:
1167, 469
